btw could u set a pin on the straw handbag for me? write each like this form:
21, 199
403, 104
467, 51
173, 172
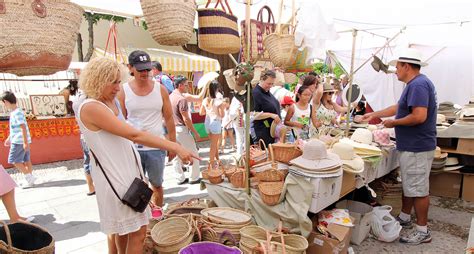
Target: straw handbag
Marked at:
257, 155
170, 22
25, 237
284, 152
281, 47
38, 37
215, 173
218, 29
270, 192
258, 31
172, 234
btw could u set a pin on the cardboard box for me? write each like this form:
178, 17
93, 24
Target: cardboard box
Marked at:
319, 243
326, 192
447, 184
361, 214
348, 183
465, 146
468, 188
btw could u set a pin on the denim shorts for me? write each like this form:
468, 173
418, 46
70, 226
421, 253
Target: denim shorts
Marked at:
214, 126
153, 164
18, 154
87, 158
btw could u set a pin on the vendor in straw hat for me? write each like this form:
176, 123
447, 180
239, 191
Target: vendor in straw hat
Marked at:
415, 127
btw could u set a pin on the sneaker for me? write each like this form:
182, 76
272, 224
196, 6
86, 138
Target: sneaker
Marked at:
417, 237
31, 179
183, 182
26, 185
406, 224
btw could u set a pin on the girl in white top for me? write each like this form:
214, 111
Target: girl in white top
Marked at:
214, 108
111, 140
300, 116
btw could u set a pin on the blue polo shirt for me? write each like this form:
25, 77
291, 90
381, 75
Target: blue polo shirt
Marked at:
419, 92
264, 102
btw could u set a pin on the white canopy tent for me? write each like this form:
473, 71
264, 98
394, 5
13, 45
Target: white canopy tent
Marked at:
431, 25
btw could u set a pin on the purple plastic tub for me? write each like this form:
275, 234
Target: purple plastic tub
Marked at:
209, 248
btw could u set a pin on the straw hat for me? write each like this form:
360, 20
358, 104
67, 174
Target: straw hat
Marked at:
327, 88
409, 55
206, 79
438, 154
362, 148
362, 135
347, 155
315, 157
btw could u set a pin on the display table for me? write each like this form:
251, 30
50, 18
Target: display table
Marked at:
53, 140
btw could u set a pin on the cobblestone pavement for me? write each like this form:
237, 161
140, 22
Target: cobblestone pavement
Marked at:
60, 204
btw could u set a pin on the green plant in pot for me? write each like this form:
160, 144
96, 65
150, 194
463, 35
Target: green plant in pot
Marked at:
243, 73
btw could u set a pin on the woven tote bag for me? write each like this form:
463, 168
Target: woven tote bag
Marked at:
258, 31
218, 29
37, 37
281, 47
170, 22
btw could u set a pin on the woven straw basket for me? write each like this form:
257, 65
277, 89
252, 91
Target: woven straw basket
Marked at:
270, 192
172, 234
291, 243
170, 22
270, 175
215, 175
238, 179
226, 216
284, 152
218, 30
214, 232
37, 37
25, 238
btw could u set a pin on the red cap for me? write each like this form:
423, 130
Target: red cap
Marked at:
287, 100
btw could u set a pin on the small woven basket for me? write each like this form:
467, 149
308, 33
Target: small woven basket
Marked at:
170, 22
172, 234
284, 152
238, 179
271, 175
215, 174
270, 192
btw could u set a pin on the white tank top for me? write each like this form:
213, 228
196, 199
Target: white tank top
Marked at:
145, 112
303, 117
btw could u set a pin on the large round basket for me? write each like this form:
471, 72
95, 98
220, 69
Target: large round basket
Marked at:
216, 232
170, 22
226, 216
281, 48
37, 37
24, 237
171, 235
284, 152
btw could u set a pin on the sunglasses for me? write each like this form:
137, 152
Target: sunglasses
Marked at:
147, 70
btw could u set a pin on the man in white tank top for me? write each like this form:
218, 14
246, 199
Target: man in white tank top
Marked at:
145, 104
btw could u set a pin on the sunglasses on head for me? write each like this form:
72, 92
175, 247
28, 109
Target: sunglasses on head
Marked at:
147, 70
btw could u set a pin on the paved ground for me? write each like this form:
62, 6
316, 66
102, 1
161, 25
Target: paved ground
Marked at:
60, 204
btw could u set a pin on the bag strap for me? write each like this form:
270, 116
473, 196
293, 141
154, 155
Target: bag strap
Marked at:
97, 162
222, 5
271, 18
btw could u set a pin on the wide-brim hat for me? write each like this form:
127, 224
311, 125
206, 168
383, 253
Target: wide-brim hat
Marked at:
369, 148
331, 161
206, 79
409, 55
348, 156
438, 154
334, 172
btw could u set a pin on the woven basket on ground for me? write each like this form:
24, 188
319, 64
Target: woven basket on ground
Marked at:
38, 37
172, 234
250, 236
284, 152
270, 192
238, 179
170, 22
25, 237
226, 216
291, 243
214, 232
218, 29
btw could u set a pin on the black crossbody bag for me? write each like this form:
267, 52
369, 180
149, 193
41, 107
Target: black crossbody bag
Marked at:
138, 194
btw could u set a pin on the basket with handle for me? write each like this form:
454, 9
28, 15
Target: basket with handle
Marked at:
38, 37
270, 192
215, 173
170, 22
257, 155
218, 31
284, 153
25, 237
281, 47
238, 178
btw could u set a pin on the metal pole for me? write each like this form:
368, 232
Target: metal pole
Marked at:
354, 36
247, 113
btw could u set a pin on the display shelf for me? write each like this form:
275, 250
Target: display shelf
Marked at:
464, 146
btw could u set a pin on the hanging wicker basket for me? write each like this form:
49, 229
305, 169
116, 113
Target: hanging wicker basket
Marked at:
37, 37
170, 22
218, 29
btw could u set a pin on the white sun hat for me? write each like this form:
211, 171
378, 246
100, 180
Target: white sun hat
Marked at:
362, 135
316, 157
206, 79
349, 158
409, 55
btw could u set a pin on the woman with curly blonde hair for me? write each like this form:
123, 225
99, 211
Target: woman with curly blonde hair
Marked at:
114, 156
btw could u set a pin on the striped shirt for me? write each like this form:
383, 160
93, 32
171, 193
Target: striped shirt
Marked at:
17, 118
